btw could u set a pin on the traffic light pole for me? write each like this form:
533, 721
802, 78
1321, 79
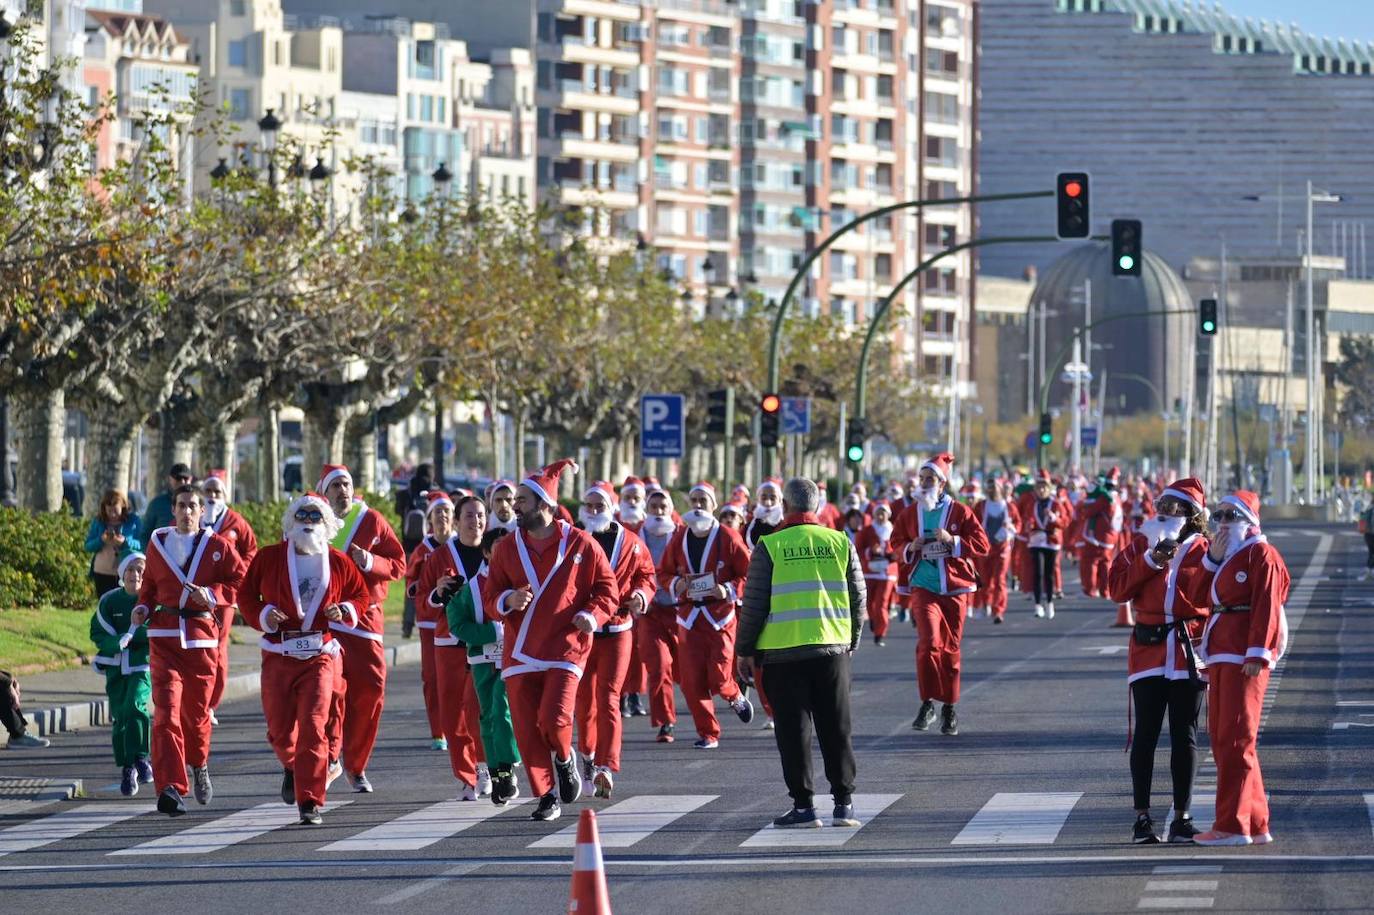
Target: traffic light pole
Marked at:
775, 337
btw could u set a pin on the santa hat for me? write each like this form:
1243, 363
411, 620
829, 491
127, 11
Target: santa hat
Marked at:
129, 559
705, 489
544, 482
331, 472
1189, 490
605, 490
859, 489
437, 497
941, 464
498, 485
969, 489
883, 504
311, 500
772, 483
734, 507
1113, 477
740, 492
1248, 503
652, 484
219, 473
631, 485
1043, 474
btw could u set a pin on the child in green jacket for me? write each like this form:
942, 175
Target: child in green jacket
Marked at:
483, 638
123, 657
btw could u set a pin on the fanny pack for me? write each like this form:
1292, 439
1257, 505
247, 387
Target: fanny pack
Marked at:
1146, 634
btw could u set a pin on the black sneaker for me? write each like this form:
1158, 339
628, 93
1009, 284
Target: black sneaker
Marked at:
665, 734
170, 803
996, 621
743, 708
310, 815
949, 724
636, 706
202, 787
128, 782
548, 808
1182, 831
798, 819
879, 641
288, 787
925, 716
501, 782
843, 815
569, 781
144, 769
1144, 833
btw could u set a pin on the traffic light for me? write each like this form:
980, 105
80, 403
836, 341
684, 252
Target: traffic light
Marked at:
1207, 317
720, 411
770, 420
1071, 195
1127, 252
1046, 429
854, 440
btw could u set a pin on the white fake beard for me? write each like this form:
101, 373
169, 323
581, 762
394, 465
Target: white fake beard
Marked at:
631, 514
768, 515
594, 522
309, 540
883, 529
699, 520
214, 510
658, 525
1233, 535
929, 498
1162, 527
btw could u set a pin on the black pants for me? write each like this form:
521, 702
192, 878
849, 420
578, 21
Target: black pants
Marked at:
10, 715
1042, 573
1369, 545
1182, 700
103, 583
802, 693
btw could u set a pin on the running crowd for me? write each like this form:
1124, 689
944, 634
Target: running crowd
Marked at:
536, 626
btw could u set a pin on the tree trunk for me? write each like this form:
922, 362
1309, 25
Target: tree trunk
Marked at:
361, 453
173, 445
519, 446
41, 422
110, 443
324, 431
269, 455
217, 451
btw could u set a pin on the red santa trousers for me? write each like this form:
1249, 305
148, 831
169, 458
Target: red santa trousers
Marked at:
636, 676
226, 624
182, 681
334, 734
296, 697
457, 723
356, 714
707, 659
657, 633
1093, 562
939, 630
993, 568
1019, 563
1234, 705
541, 711
598, 698
429, 687
1025, 566
880, 592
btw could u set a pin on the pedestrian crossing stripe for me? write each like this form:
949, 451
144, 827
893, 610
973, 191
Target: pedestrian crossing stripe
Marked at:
866, 807
66, 825
1019, 819
632, 820
221, 833
423, 828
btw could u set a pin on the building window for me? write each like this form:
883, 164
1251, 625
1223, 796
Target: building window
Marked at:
238, 53
236, 8
240, 104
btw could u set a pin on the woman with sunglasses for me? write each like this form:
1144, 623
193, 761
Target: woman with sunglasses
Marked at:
1160, 573
1246, 585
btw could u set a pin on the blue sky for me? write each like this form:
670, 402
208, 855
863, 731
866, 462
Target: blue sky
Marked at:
1352, 19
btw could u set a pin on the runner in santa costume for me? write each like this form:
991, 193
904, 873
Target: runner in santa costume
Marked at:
657, 630
1022, 496
367, 539
1161, 573
629, 514
1044, 522
1247, 633
1100, 521
1001, 522
942, 539
734, 515
192, 574
122, 655
232, 526
293, 592
902, 595
598, 695
830, 515
873, 544
552, 587
629, 508
457, 560
704, 568
767, 513
439, 518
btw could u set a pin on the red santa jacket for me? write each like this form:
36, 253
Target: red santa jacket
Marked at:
1161, 595
1011, 524
414, 563
633, 568
384, 562
830, 516
235, 528
443, 561
272, 583
1254, 576
725, 556
1043, 522
900, 507
958, 568
571, 576
876, 555
1099, 521
167, 587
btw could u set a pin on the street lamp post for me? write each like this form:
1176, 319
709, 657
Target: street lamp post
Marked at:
443, 180
270, 125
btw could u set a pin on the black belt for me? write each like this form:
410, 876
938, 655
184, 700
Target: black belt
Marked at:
186, 613
1237, 609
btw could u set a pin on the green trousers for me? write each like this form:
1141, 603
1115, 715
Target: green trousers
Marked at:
129, 708
498, 737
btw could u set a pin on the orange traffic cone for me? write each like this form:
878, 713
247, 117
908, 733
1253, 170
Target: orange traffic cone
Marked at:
1124, 616
589, 895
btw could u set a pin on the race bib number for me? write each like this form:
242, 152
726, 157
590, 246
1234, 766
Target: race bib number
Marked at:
700, 587
492, 651
936, 550
306, 644
1039, 538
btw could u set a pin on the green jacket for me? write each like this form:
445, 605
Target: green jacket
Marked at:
467, 622
108, 624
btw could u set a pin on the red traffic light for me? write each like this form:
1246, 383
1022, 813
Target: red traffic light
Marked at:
771, 403
1073, 189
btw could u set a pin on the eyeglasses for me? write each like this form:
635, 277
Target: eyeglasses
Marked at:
1226, 515
315, 516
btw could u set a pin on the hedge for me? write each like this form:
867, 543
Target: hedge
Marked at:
43, 560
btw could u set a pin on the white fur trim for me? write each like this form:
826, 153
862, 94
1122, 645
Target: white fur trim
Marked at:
332, 476
1244, 509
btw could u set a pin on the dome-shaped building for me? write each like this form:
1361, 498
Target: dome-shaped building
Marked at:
1158, 348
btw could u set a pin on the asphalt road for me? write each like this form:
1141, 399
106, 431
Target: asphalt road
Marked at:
1028, 810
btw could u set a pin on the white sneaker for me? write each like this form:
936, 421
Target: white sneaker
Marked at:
1039, 611
469, 793
1049, 610
335, 770
603, 782
768, 725
483, 780
970, 612
213, 720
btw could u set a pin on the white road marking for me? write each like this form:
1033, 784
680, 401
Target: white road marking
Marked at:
632, 820
1369, 806
1204, 809
237, 827
1176, 902
1019, 819
425, 886
66, 825
422, 828
866, 808
1105, 649
1187, 869
1176, 885
1347, 725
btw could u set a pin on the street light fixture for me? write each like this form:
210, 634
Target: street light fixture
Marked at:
6, 28
443, 178
320, 172
221, 171
270, 124
296, 170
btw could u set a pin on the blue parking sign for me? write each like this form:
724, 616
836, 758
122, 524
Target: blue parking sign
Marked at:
662, 429
796, 416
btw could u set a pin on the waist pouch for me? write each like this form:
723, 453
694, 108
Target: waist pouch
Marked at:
1145, 634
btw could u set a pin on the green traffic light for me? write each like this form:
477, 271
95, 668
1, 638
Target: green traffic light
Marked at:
1208, 327
1046, 439
856, 453
1126, 262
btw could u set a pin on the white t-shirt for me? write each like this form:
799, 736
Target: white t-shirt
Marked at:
178, 547
309, 574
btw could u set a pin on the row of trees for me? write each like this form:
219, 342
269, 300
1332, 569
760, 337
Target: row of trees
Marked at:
147, 307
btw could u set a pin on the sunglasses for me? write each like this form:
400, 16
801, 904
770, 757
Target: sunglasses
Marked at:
1227, 515
314, 516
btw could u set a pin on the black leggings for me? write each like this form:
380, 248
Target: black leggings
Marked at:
1182, 699
1042, 573
1369, 545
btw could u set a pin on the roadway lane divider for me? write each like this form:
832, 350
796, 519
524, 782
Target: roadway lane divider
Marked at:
1167, 880
237, 827
1021, 818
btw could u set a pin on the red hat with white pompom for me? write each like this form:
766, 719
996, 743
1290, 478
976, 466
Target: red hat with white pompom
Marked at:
331, 472
544, 482
1247, 502
605, 490
941, 464
437, 497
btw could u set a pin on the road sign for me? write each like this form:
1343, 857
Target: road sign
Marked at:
1032, 439
1089, 436
796, 416
662, 431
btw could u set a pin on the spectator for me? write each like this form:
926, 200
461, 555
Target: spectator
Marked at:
12, 716
159, 513
114, 530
